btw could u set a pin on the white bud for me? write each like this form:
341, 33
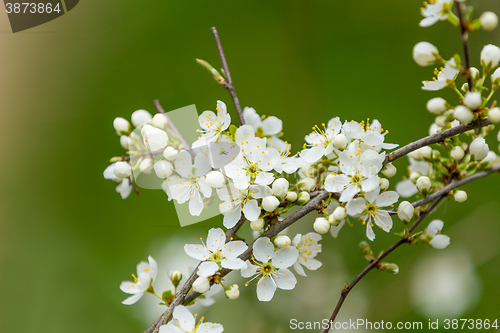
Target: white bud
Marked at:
488, 20
155, 139
479, 149
176, 277
321, 225
490, 159
494, 115
414, 176
490, 56
201, 285
384, 184
309, 171
307, 184
414, 154
474, 73
282, 241
460, 196
405, 211
389, 170
495, 78
163, 169
333, 221
170, 153
291, 196
436, 105
233, 292
473, 100
434, 128
441, 120
270, 203
257, 225
159, 120
122, 170
303, 197
424, 184
425, 54
121, 125
280, 187
463, 114
340, 141
457, 153
124, 139
215, 179
424, 152
339, 213
140, 117
146, 165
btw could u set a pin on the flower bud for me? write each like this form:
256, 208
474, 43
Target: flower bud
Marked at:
303, 198
307, 184
339, 213
257, 225
441, 120
233, 292
405, 211
201, 285
321, 225
488, 20
384, 184
170, 153
146, 166
490, 160
473, 100
333, 221
495, 78
340, 141
366, 250
121, 125
414, 176
436, 155
424, 152
291, 196
122, 170
163, 169
270, 203
457, 153
463, 114
425, 54
494, 115
176, 277
424, 184
474, 73
309, 170
390, 268
159, 120
479, 149
140, 117
282, 241
124, 139
155, 139
280, 187
215, 179
460, 196
490, 57
389, 170
436, 105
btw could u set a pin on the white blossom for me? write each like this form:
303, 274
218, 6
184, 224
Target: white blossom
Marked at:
490, 56
121, 125
494, 115
140, 117
473, 99
303, 197
457, 153
217, 253
405, 211
443, 78
460, 196
146, 274
424, 184
339, 213
212, 125
122, 170
280, 187
488, 20
320, 141
321, 225
184, 322
425, 54
291, 196
266, 127
433, 231
159, 120
270, 203
257, 225
233, 292
479, 149
437, 10
282, 241
436, 105
201, 285
308, 248
368, 135
170, 153
463, 114
215, 179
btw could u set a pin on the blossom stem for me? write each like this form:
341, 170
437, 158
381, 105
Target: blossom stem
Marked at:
455, 89
229, 84
465, 38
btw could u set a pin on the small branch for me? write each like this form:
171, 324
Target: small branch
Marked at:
465, 38
183, 143
229, 84
435, 138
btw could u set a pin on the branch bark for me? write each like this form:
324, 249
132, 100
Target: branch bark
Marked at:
465, 38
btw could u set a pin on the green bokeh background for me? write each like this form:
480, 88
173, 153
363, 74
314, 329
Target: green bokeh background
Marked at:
67, 239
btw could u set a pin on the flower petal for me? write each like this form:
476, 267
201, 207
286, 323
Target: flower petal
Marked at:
216, 239
285, 257
265, 289
197, 251
285, 279
207, 268
263, 249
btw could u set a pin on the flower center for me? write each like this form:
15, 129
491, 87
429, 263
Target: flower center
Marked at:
267, 269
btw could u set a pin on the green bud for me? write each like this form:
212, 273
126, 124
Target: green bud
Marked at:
366, 250
176, 277
390, 268
215, 74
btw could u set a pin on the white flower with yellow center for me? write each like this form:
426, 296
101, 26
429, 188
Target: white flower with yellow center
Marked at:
270, 267
369, 135
308, 248
359, 172
217, 253
212, 125
433, 235
368, 209
236, 202
320, 141
187, 185
146, 274
266, 127
435, 10
184, 322
444, 77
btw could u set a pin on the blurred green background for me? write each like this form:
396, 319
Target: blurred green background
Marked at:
67, 239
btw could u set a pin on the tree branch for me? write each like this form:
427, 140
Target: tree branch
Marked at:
229, 84
465, 38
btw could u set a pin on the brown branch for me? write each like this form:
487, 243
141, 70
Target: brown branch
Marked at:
229, 84
465, 38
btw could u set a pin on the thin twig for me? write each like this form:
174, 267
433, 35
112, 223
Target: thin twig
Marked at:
465, 38
229, 84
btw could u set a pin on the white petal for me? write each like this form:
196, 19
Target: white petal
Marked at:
184, 318
272, 125
349, 193
233, 263
313, 154
428, 21
264, 178
263, 249
197, 251
216, 239
356, 206
312, 264
232, 216
207, 268
369, 231
132, 299
336, 183
383, 220
129, 287
298, 268
153, 268
334, 230
434, 227
170, 328
251, 210
285, 279
285, 257
387, 198
195, 204
248, 271
210, 328
265, 289
259, 191
233, 249
406, 188
440, 241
